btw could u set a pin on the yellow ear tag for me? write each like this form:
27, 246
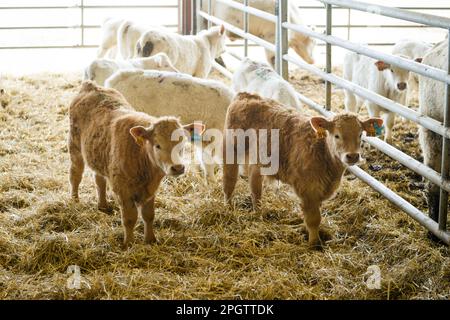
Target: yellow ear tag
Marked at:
321, 133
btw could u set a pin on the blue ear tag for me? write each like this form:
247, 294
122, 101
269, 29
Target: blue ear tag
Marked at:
378, 130
196, 137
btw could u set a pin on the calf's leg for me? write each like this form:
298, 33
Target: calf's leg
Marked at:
230, 176
148, 215
311, 213
100, 182
389, 120
76, 170
129, 218
256, 181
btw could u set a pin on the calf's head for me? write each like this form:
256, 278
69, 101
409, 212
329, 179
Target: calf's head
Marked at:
216, 38
158, 143
343, 135
303, 46
397, 77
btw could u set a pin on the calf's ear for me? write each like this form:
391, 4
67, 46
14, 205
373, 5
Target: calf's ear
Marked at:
140, 134
419, 60
373, 127
320, 125
222, 30
381, 65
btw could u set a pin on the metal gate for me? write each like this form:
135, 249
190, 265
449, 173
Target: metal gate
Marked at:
79, 10
280, 48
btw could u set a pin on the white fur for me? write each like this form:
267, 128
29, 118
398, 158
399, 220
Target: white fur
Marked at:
302, 44
431, 103
101, 69
119, 38
415, 49
108, 43
260, 78
362, 71
161, 93
189, 54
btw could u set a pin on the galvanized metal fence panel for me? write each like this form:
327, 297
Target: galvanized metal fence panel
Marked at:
73, 28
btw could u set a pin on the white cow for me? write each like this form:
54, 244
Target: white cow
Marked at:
161, 93
108, 42
380, 77
302, 44
119, 38
415, 49
432, 104
189, 54
101, 69
260, 78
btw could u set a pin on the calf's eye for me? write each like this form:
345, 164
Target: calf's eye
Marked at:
392, 70
158, 147
337, 136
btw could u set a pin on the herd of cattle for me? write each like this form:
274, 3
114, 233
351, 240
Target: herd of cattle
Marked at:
154, 83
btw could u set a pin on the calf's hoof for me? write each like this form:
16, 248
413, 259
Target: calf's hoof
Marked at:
316, 245
105, 209
150, 240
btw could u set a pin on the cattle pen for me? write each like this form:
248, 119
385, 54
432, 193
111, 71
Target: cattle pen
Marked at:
378, 240
280, 48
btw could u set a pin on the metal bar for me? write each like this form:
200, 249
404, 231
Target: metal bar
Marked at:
410, 65
328, 57
267, 45
50, 47
404, 205
209, 12
427, 122
68, 27
194, 16
92, 7
82, 22
222, 70
284, 41
234, 55
256, 12
246, 25
422, 18
176, 6
445, 166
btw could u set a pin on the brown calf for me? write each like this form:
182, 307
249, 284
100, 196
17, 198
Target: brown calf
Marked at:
130, 149
313, 152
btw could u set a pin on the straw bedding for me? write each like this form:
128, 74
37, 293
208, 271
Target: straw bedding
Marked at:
204, 250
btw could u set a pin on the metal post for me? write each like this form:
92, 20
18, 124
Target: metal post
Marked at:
282, 42
328, 61
82, 23
209, 12
194, 16
349, 23
445, 166
246, 25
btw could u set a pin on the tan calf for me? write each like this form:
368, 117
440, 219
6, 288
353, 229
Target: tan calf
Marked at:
130, 149
313, 152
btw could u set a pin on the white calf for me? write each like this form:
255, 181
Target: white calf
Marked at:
431, 103
101, 69
108, 43
260, 78
415, 49
167, 93
380, 77
189, 54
